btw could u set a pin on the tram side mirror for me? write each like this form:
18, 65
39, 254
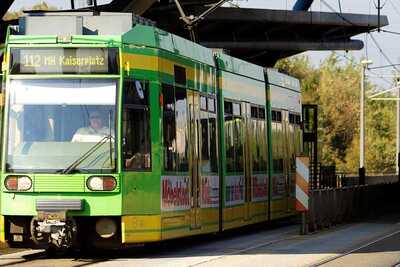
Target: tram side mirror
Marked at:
139, 89
1, 90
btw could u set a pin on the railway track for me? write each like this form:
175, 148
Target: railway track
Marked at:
381, 245
364, 244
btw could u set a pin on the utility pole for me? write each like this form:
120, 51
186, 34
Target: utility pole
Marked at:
398, 129
379, 15
361, 170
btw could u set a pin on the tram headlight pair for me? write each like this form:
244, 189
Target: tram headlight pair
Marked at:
101, 183
18, 183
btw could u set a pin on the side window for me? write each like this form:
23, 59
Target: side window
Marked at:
175, 129
279, 116
258, 139
169, 128
208, 121
276, 116
263, 139
298, 119
278, 165
136, 125
233, 137
181, 116
212, 120
254, 141
292, 118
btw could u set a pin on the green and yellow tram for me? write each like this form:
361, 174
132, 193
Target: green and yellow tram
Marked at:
140, 137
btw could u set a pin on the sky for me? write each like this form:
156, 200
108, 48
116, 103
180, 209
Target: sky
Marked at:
388, 43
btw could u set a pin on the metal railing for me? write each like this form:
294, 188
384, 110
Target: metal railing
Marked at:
331, 206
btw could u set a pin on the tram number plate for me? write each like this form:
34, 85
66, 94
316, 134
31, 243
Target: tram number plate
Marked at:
58, 215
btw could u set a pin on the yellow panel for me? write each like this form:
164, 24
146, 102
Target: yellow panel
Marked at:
182, 232
155, 63
2, 230
233, 217
209, 216
137, 229
177, 224
278, 205
259, 209
142, 62
175, 221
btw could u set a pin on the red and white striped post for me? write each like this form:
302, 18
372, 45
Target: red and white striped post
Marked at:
302, 189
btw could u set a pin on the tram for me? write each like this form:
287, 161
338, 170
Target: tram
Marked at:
140, 136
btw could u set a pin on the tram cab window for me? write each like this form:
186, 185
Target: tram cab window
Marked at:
136, 125
175, 129
233, 136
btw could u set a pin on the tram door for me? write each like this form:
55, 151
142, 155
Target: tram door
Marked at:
194, 157
286, 158
247, 161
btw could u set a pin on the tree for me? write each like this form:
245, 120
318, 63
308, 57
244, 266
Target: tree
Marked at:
15, 15
335, 87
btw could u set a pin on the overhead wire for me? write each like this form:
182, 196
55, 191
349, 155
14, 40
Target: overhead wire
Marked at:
380, 76
383, 53
366, 44
366, 39
394, 7
377, 6
384, 66
392, 32
337, 13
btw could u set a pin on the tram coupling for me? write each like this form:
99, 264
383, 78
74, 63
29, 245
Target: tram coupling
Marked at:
55, 229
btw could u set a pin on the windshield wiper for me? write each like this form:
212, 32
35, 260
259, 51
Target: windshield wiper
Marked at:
87, 154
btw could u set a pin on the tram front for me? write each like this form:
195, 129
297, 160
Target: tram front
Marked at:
59, 161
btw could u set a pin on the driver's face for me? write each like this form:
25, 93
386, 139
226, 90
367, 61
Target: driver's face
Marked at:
95, 121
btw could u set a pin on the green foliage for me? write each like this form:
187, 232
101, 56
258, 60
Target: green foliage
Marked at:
15, 15
335, 87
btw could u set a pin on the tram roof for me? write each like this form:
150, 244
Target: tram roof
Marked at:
283, 80
154, 37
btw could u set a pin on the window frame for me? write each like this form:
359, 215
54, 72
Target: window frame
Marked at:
241, 116
146, 84
211, 114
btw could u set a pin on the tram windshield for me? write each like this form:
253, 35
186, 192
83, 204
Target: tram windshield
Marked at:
52, 123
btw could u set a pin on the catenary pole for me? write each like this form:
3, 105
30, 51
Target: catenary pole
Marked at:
361, 171
398, 131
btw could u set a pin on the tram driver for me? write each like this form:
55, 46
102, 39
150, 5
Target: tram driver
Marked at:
94, 132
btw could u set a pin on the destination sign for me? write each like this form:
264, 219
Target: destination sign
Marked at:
64, 61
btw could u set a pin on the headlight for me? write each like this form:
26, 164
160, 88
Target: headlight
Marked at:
18, 183
101, 183
106, 227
